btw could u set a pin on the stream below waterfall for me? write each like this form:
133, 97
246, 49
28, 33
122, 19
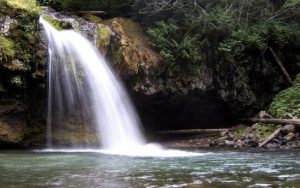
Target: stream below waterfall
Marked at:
214, 168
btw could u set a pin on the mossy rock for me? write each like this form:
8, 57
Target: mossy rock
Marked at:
264, 130
7, 50
92, 18
25, 5
23, 39
12, 135
58, 24
103, 38
130, 51
259, 131
75, 132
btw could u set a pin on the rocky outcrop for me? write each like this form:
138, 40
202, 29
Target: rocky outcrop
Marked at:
22, 62
12, 123
129, 51
19, 128
260, 135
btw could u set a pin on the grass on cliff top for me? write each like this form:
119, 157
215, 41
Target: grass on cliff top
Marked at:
28, 5
287, 103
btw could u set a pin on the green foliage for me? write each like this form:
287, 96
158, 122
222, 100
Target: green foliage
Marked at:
163, 38
282, 35
262, 131
256, 39
240, 42
232, 30
112, 7
287, 102
173, 46
6, 49
27, 5
17, 81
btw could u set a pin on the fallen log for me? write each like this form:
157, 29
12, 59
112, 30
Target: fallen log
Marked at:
192, 131
271, 137
273, 121
91, 12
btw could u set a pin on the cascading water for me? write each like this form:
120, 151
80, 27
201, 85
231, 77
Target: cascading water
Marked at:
81, 84
99, 90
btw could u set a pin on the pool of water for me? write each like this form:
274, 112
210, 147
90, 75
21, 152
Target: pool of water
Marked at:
212, 169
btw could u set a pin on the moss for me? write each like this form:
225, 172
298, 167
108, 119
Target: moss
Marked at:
130, 51
287, 102
241, 132
58, 24
261, 131
131, 30
104, 35
6, 49
27, 5
264, 130
92, 18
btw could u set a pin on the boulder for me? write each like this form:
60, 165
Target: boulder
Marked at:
11, 133
129, 50
288, 128
229, 143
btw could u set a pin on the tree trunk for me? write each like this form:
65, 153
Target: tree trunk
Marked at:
285, 73
192, 131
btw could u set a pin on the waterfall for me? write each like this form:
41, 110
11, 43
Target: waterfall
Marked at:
81, 84
80, 80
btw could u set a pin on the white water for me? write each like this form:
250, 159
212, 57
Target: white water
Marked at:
81, 82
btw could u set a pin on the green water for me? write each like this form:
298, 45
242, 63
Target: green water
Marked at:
215, 169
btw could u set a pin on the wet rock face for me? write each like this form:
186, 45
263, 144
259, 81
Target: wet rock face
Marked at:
74, 132
5, 24
62, 21
16, 129
12, 128
22, 61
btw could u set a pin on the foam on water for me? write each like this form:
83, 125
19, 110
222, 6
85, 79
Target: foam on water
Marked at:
148, 150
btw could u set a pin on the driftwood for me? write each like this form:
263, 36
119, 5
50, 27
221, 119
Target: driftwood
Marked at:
285, 73
192, 131
273, 121
91, 12
267, 140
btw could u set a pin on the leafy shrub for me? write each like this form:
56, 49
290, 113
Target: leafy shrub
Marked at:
287, 102
173, 46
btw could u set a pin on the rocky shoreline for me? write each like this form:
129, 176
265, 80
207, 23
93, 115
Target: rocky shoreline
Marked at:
242, 137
